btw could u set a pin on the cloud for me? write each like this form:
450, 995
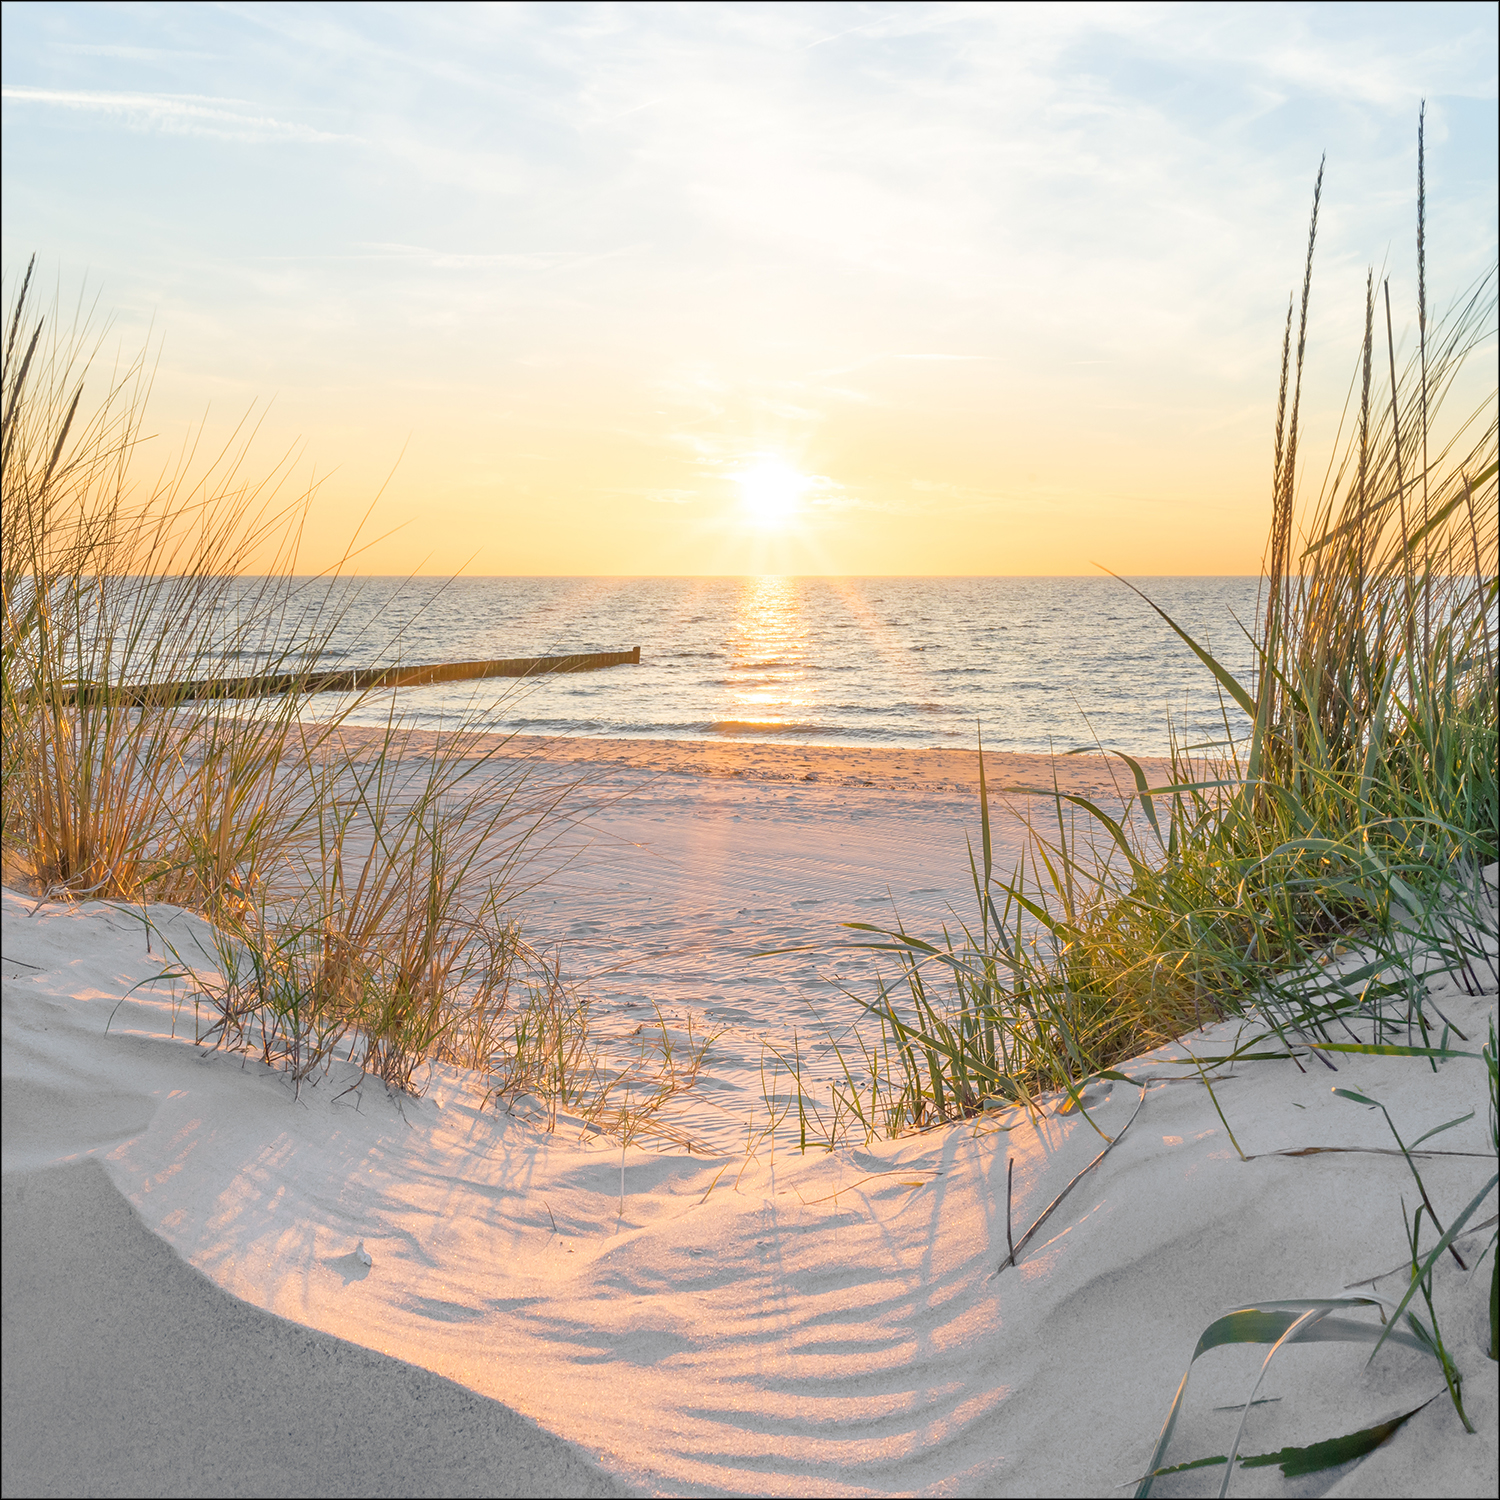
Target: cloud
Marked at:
821, 493
136, 54
941, 240
177, 114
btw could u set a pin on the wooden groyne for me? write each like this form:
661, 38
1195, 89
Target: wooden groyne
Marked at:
358, 680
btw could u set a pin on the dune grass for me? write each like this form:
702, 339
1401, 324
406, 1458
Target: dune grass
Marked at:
236, 809
362, 896
1282, 1323
1354, 798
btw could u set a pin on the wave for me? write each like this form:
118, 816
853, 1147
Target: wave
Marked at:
759, 726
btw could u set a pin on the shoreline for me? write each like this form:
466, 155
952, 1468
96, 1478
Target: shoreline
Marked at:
890, 768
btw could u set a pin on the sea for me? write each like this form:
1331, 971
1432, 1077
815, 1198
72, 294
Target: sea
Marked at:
1032, 664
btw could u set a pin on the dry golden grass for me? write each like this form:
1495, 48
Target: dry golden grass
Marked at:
361, 896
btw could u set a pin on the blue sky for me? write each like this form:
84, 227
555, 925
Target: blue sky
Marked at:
1004, 284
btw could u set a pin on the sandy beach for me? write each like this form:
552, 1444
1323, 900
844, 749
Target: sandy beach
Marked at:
574, 1318
920, 772
674, 863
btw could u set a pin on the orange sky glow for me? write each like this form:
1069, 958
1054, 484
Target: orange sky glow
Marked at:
902, 289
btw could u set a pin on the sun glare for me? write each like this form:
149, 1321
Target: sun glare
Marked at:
771, 491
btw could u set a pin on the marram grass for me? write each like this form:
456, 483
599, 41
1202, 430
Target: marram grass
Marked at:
1354, 796
362, 899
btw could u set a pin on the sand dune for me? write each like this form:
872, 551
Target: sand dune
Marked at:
128, 1371
711, 1321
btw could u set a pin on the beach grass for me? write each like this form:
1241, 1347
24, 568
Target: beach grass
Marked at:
1353, 799
361, 895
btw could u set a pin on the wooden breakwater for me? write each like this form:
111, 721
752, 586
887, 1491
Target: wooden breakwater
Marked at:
357, 680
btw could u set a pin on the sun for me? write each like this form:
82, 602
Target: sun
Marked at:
771, 489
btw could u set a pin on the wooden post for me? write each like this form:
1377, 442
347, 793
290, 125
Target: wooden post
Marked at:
360, 679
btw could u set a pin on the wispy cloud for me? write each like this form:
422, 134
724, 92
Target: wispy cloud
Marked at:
183, 114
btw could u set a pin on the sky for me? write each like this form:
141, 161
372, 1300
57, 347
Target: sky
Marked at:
723, 289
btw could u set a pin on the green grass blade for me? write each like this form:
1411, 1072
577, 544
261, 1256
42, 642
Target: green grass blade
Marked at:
1432, 1258
1372, 1049
1267, 1323
1328, 1454
1308, 1320
984, 814
1143, 791
1116, 832
1333, 1451
1439, 1129
1192, 1463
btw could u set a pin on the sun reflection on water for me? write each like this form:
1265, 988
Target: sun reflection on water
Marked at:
769, 685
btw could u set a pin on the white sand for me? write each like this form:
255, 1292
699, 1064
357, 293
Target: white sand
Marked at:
694, 856
782, 1324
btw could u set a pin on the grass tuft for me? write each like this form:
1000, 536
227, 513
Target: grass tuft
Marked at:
361, 895
1354, 799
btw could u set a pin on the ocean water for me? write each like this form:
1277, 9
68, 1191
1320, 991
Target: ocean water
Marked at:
1035, 663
